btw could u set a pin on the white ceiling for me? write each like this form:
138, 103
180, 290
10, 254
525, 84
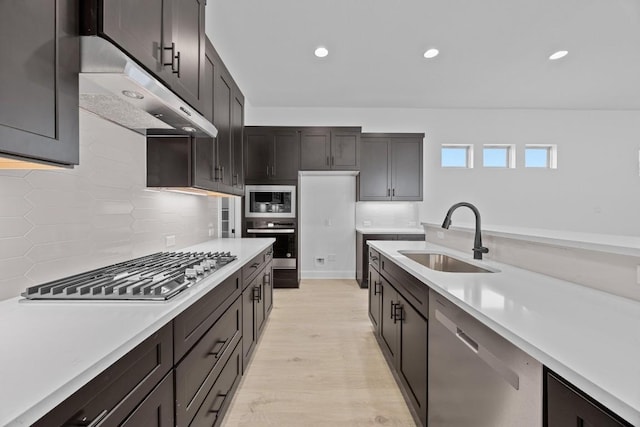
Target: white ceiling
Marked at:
493, 52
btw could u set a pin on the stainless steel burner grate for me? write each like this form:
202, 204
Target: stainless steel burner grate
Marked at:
155, 277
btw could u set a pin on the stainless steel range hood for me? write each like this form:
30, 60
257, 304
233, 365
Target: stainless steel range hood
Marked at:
115, 87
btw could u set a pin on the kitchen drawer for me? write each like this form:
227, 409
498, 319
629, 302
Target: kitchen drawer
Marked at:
412, 289
200, 368
118, 390
251, 269
568, 406
219, 397
192, 324
155, 411
374, 258
411, 237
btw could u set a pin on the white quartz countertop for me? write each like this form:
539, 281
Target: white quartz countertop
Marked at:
589, 337
389, 230
52, 348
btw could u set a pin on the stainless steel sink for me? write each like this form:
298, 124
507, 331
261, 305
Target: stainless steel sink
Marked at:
441, 262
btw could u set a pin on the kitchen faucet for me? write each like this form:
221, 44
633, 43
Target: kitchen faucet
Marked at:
478, 249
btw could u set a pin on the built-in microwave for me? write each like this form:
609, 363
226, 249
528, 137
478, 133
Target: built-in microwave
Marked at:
270, 201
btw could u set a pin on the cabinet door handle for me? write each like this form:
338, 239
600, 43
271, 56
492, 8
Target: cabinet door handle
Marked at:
393, 305
177, 72
222, 173
235, 180
173, 57
327, 160
273, 170
388, 192
398, 313
255, 265
267, 170
333, 160
216, 408
220, 344
266, 279
375, 288
393, 192
374, 258
467, 340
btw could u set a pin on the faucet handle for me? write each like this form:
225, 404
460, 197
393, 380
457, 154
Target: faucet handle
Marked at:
481, 249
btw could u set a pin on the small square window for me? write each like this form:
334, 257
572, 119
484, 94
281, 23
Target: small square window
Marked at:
540, 156
456, 156
498, 156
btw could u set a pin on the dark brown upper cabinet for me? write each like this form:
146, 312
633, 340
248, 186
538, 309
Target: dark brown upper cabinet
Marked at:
271, 154
330, 149
167, 37
227, 110
391, 167
39, 81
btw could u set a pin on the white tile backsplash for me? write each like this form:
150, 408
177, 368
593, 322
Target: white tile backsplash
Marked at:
55, 223
387, 214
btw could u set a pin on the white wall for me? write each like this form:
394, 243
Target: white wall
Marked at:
595, 188
327, 226
57, 223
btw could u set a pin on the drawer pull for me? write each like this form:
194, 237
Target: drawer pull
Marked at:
220, 343
216, 408
374, 258
255, 265
85, 423
257, 293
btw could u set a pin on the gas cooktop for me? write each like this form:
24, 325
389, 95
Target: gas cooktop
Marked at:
155, 277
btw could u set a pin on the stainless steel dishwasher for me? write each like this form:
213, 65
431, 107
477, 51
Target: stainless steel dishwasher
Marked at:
476, 377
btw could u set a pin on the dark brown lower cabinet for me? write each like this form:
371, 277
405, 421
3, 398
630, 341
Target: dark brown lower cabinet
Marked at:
197, 372
156, 410
187, 372
217, 401
374, 297
403, 335
109, 398
257, 300
568, 406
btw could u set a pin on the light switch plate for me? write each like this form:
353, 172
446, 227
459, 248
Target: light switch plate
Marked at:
170, 240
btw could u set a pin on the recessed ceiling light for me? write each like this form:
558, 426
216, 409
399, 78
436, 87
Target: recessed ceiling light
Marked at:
321, 52
559, 54
189, 129
132, 94
431, 53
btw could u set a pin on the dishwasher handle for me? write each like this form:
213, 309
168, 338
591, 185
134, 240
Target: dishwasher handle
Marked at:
467, 340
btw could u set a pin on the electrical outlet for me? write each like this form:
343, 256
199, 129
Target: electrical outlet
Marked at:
328, 222
211, 231
440, 234
319, 261
413, 224
170, 241
366, 223
331, 257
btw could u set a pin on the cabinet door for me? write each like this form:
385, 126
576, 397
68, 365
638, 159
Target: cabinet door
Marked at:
388, 324
39, 79
187, 32
249, 333
565, 407
374, 297
268, 289
286, 155
237, 126
259, 290
375, 175
413, 356
155, 411
315, 149
406, 168
222, 93
345, 150
258, 151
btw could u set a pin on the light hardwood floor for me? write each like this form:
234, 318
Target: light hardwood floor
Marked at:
318, 364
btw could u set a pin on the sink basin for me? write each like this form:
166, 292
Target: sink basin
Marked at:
441, 262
